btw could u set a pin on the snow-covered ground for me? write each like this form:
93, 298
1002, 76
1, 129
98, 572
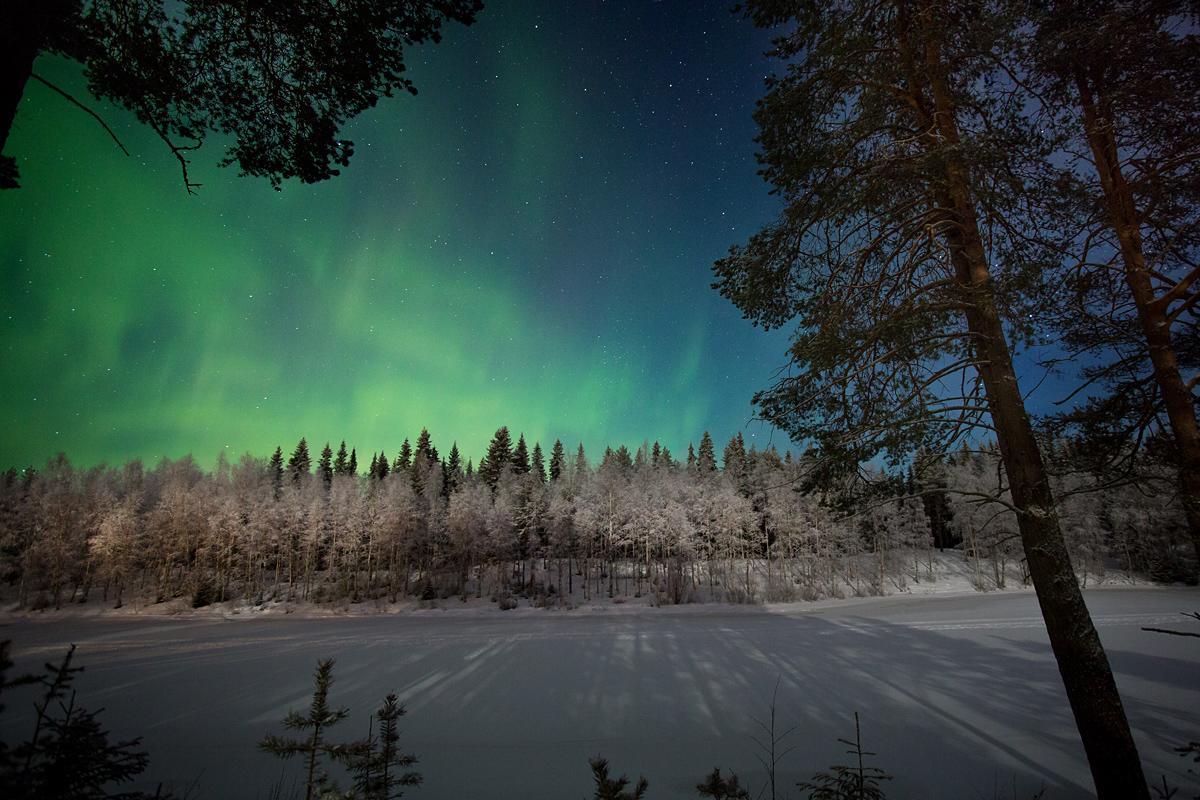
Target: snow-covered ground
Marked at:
958, 694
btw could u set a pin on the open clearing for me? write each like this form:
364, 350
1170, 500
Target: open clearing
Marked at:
959, 695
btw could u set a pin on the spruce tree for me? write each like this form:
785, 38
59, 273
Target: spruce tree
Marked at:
381, 466
719, 788
275, 468
373, 470
706, 459
381, 770
68, 755
735, 454
418, 473
300, 464
655, 454
404, 460
314, 748
737, 463
581, 463
855, 780
614, 788
425, 458
341, 466
558, 460
425, 447
453, 470
499, 458
537, 463
520, 457
469, 472
352, 467
665, 459
623, 459
325, 465
691, 457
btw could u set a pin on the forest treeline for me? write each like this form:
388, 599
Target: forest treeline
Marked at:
745, 525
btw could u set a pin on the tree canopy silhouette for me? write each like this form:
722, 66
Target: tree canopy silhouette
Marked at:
278, 77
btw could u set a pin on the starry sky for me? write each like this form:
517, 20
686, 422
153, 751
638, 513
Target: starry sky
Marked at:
528, 242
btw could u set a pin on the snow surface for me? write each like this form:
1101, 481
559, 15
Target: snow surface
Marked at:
958, 694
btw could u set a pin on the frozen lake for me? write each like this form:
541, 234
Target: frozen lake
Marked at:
958, 695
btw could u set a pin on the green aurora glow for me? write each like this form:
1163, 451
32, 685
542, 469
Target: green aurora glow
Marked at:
527, 242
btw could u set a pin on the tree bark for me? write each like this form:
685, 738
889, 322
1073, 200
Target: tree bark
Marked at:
1087, 677
1124, 220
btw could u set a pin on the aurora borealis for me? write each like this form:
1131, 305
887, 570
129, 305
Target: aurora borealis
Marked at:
528, 242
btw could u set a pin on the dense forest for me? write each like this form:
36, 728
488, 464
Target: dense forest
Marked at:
745, 525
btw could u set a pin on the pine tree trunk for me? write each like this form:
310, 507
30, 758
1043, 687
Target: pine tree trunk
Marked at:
1152, 312
1082, 663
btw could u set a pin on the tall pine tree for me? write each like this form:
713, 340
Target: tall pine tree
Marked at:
537, 464
325, 465
499, 458
706, 459
902, 266
581, 463
558, 460
454, 470
520, 457
275, 469
300, 464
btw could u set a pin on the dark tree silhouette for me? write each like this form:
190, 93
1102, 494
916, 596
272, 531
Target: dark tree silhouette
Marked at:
381, 770
68, 755
278, 77
315, 748
341, 464
614, 788
300, 463
276, 470
520, 456
853, 781
719, 788
558, 460
325, 464
498, 458
706, 459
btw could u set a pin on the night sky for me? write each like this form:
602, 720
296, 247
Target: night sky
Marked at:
528, 242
